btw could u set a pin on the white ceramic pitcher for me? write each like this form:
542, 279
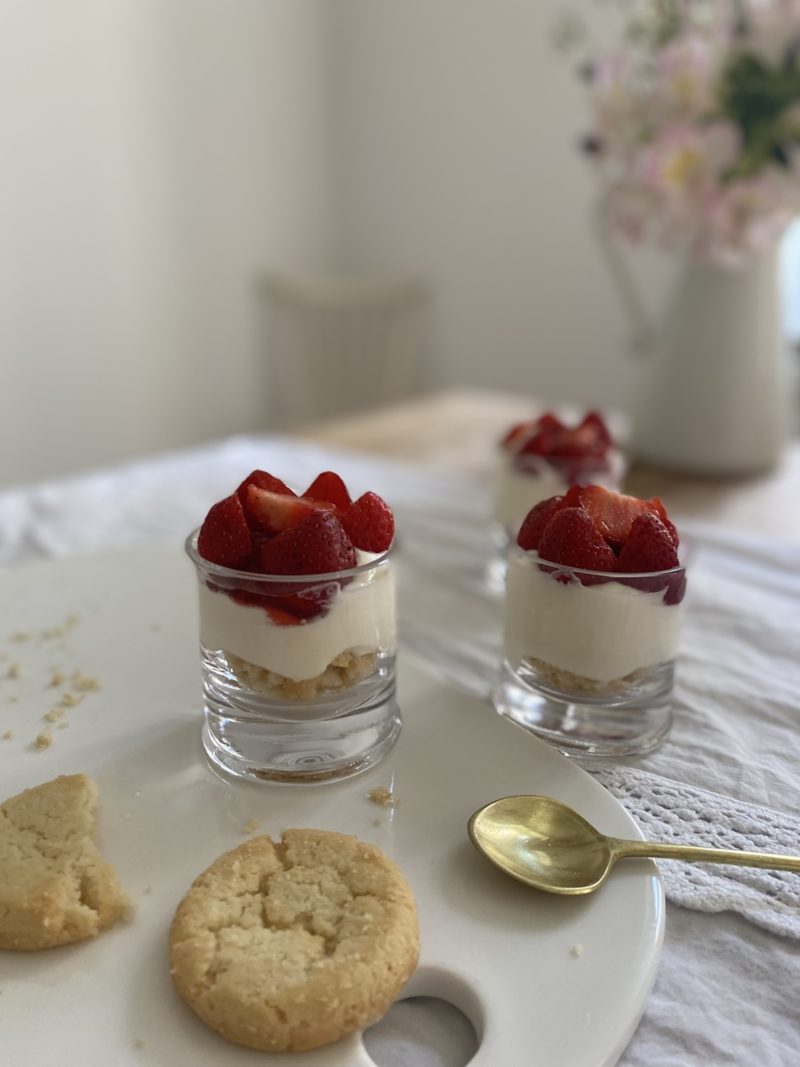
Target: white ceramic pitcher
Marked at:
714, 395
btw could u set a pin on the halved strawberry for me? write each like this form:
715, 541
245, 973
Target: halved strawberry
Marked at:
535, 521
317, 545
369, 523
614, 513
329, 486
263, 480
648, 547
572, 539
276, 512
224, 536
517, 435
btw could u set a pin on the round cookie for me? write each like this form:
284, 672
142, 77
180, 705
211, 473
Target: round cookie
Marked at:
285, 946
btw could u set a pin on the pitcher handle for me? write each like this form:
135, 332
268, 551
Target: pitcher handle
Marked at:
642, 330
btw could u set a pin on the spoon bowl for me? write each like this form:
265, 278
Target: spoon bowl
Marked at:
547, 845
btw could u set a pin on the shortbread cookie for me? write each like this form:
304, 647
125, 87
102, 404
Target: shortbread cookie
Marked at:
54, 887
285, 946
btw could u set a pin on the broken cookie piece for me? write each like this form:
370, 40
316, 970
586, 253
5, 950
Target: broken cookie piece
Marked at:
54, 886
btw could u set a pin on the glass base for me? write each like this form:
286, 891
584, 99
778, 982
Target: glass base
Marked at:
627, 723
243, 745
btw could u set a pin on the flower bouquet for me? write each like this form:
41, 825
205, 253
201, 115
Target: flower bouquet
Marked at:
695, 126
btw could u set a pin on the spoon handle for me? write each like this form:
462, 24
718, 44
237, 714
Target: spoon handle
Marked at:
692, 853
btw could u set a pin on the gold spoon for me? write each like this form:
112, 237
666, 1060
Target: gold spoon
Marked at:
547, 845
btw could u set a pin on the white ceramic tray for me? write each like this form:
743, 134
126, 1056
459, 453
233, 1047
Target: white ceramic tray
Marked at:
553, 980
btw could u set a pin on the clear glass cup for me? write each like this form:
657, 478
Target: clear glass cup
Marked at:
298, 671
590, 656
522, 481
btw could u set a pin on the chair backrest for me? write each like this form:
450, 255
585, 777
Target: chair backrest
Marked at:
340, 343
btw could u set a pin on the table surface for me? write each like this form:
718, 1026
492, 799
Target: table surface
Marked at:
460, 428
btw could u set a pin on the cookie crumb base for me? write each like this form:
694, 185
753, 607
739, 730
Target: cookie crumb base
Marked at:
343, 671
556, 678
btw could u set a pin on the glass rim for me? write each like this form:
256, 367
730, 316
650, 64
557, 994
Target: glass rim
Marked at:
533, 556
190, 545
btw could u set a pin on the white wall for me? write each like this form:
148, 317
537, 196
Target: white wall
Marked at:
459, 159
157, 155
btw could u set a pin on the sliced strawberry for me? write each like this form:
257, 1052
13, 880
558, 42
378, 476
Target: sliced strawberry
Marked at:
518, 434
329, 487
317, 545
369, 523
661, 511
264, 481
648, 547
572, 539
535, 521
549, 422
538, 444
281, 617
224, 536
612, 513
276, 512
594, 420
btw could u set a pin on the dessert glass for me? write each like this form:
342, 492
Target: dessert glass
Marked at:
590, 656
291, 698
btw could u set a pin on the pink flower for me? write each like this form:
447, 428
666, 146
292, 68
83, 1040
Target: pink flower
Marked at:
745, 216
613, 101
686, 72
685, 161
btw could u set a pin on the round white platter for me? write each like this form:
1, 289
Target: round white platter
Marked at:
547, 980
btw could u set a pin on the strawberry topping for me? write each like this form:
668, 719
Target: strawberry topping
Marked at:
535, 521
369, 523
648, 547
275, 512
266, 529
264, 481
317, 545
224, 536
593, 528
572, 539
548, 437
329, 487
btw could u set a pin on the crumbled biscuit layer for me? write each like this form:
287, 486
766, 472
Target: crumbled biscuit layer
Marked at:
346, 670
577, 683
54, 887
286, 946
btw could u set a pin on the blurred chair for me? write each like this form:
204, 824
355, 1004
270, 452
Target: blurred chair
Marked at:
338, 344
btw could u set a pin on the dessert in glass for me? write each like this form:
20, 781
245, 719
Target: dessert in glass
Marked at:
594, 601
297, 630
543, 457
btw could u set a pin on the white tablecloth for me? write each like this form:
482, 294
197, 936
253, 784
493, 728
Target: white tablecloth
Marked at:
727, 990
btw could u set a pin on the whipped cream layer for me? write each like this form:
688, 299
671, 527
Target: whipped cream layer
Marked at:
517, 491
602, 632
361, 617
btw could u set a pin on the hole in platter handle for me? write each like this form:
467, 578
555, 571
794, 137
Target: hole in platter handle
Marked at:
439, 1018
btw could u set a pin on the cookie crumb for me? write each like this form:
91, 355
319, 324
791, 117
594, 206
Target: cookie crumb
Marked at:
576, 950
250, 826
19, 637
139, 1044
71, 700
7, 736
56, 680
14, 671
84, 684
382, 796
12, 700
43, 740
54, 714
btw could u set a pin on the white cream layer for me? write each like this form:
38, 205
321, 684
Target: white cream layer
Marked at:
516, 491
361, 617
603, 632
